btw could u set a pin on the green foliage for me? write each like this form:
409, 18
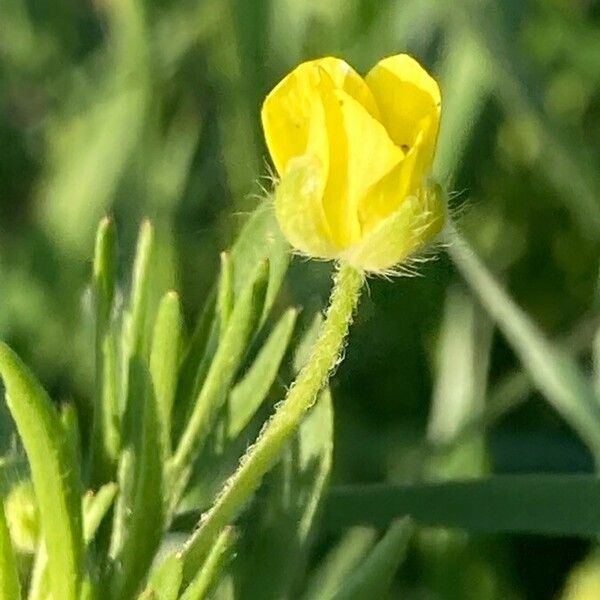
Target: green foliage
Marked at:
54, 472
9, 578
122, 523
142, 108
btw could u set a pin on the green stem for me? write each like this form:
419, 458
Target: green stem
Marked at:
261, 456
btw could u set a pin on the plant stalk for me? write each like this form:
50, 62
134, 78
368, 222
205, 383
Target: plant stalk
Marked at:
263, 454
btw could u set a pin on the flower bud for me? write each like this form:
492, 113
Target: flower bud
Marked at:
353, 156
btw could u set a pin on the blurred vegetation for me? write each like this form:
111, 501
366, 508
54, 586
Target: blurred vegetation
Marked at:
150, 108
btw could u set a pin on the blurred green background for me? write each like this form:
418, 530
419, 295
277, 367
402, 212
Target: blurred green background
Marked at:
151, 108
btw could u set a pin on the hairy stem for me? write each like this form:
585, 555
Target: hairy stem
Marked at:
262, 456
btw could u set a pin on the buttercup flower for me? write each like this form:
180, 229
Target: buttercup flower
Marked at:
353, 157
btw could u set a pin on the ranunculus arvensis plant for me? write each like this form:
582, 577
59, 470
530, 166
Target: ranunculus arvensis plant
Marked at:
353, 156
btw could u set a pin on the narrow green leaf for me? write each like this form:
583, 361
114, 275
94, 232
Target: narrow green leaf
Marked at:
553, 371
459, 392
195, 363
230, 352
106, 435
165, 580
138, 522
249, 393
95, 507
39, 585
564, 505
259, 240
136, 322
105, 440
164, 362
596, 357
515, 387
225, 297
68, 417
53, 473
10, 588
374, 577
104, 273
340, 563
210, 571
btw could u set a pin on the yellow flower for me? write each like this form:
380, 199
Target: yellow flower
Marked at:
353, 156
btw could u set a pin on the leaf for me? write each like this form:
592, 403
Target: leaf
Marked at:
104, 274
165, 580
208, 574
164, 360
259, 240
515, 387
95, 507
53, 471
340, 563
252, 389
138, 521
223, 368
373, 578
68, 417
463, 356
135, 333
553, 371
276, 540
39, 581
10, 588
596, 357
563, 505
225, 298
105, 434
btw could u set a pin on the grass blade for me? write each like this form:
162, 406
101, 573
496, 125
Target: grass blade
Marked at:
340, 563
225, 299
458, 396
560, 505
373, 578
514, 388
554, 372
10, 588
53, 472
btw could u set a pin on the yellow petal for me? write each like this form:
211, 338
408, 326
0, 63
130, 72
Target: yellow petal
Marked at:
385, 196
360, 154
345, 78
406, 96
406, 231
299, 210
287, 110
